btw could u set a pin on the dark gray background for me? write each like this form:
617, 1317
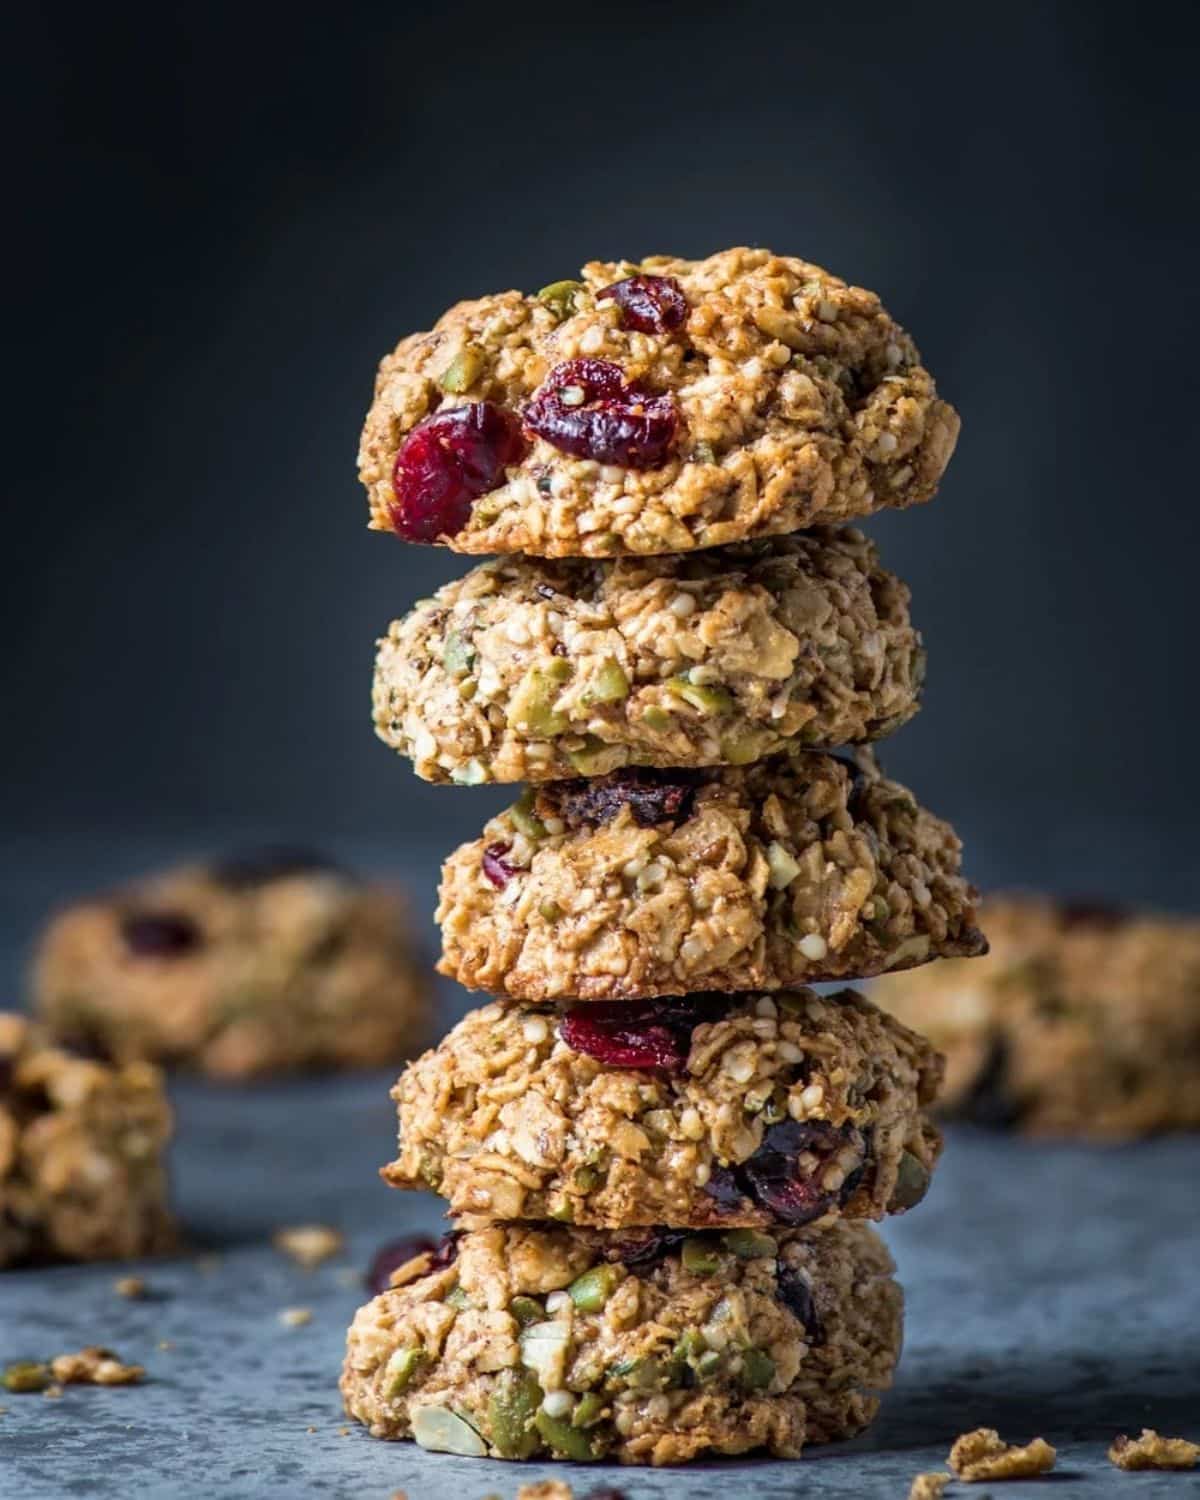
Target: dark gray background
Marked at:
228, 218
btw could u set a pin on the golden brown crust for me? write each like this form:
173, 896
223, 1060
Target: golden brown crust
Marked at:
530, 670
508, 1121
538, 1341
1080, 1022
82, 1145
774, 875
309, 970
800, 402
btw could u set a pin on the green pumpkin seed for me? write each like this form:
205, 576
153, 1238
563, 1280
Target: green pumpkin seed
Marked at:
559, 297
592, 1290
457, 654
523, 817
526, 1310
511, 1411
912, 1184
709, 699
748, 1244
571, 1442
457, 1298
463, 370
700, 1257
401, 1368
587, 1409
758, 1370
608, 684
443, 1431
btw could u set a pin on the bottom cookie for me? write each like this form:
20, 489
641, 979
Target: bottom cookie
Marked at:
646, 1347
82, 1175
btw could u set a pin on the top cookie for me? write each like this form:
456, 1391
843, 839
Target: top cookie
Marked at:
654, 408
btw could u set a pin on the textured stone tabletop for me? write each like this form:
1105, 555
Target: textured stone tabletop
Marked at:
1051, 1290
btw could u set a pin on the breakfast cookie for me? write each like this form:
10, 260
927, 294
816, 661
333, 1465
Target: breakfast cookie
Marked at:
646, 883
1083, 1021
653, 408
522, 1341
271, 962
730, 1110
82, 1143
530, 670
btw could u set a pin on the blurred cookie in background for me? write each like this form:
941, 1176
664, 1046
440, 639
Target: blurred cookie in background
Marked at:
274, 961
81, 1153
1084, 1020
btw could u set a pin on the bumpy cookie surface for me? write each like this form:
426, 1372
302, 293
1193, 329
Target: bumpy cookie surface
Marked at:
746, 1110
527, 670
1082, 1021
519, 1341
649, 883
659, 408
269, 962
82, 1175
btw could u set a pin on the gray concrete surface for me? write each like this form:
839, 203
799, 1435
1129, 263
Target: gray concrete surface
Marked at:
1050, 1290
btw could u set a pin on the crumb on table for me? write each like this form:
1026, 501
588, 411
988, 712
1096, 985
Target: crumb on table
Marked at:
1150, 1451
309, 1244
928, 1486
983, 1455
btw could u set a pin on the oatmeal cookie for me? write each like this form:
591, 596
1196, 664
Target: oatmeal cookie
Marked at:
1083, 1021
645, 883
746, 1110
82, 1145
1150, 1451
653, 408
530, 670
522, 1341
268, 962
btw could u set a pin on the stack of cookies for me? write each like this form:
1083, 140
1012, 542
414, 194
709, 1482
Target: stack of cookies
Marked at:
659, 1145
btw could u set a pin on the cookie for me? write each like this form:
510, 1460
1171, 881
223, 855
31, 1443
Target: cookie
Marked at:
270, 962
646, 883
523, 1341
82, 1143
530, 670
720, 1110
1083, 1021
653, 408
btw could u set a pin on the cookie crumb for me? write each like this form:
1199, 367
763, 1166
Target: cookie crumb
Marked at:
929, 1486
94, 1366
982, 1455
132, 1287
1153, 1452
309, 1244
295, 1317
25, 1376
310, 1429
165, 1344
53, 1393
547, 1489
343, 1432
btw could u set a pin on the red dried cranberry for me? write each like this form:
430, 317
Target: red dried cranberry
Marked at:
160, 934
642, 1249
255, 867
652, 797
772, 1173
446, 462
796, 1295
396, 1253
585, 407
639, 1033
496, 867
649, 304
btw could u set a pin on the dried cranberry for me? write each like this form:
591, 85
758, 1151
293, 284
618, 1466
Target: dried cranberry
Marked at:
649, 304
587, 408
446, 462
725, 1190
496, 867
640, 1033
772, 1172
651, 796
160, 934
988, 1101
605, 1492
642, 1249
396, 1253
254, 867
796, 1295
1101, 916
